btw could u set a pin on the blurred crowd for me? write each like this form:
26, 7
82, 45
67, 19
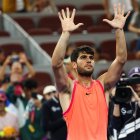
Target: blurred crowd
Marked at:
24, 113
11, 6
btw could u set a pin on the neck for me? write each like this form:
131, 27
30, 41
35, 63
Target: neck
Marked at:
85, 81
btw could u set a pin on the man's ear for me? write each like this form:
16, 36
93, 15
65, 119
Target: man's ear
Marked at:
74, 65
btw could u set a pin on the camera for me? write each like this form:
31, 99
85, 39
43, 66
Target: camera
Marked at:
14, 58
123, 93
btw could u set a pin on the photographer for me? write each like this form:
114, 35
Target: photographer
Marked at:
126, 113
17, 63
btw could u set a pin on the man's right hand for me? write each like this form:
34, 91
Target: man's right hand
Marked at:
67, 20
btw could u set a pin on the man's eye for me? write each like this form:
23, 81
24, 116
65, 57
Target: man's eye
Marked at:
91, 57
83, 57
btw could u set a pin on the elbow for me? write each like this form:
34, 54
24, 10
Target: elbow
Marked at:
122, 60
56, 64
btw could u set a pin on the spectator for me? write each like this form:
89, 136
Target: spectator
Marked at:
83, 100
130, 5
48, 92
52, 120
2, 57
12, 6
44, 6
134, 27
22, 6
33, 129
16, 71
9, 127
126, 112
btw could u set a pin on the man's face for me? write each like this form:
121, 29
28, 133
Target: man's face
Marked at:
85, 63
137, 89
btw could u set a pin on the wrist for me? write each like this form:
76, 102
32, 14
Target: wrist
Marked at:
118, 29
65, 35
65, 32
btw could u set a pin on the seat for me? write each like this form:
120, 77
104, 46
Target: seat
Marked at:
11, 48
92, 6
77, 31
108, 49
86, 19
88, 43
100, 21
43, 79
40, 31
48, 47
131, 56
51, 22
25, 22
4, 33
99, 29
65, 5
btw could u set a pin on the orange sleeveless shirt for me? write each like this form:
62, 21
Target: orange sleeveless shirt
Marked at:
87, 115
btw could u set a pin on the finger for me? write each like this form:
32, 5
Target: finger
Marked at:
68, 12
63, 14
107, 21
60, 17
119, 9
115, 9
134, 93
79, 24
127, 14
123, 7
73, 13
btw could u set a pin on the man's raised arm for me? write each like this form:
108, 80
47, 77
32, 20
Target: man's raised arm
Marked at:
113, 74
67, 23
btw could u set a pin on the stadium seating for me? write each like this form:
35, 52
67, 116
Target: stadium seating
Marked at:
92, 6
4, 33
11, 48
48, 47
25, 22
43, 79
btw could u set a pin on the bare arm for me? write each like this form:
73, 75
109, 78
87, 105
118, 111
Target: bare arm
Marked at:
67, 23
113, 74
3, 67
134, 29
31, 70
135, 5
116, 111
106, 7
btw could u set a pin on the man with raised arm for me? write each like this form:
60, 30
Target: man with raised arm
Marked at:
83, 100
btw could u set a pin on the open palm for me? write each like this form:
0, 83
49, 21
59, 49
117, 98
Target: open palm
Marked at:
119, 18
67, 20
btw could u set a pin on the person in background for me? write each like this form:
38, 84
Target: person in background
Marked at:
17, 63
126, 112
83, 100
12, 6
49, 92
44, 6
2, 57
22, 6
33, 129
52, 120
9, 127
134, 27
